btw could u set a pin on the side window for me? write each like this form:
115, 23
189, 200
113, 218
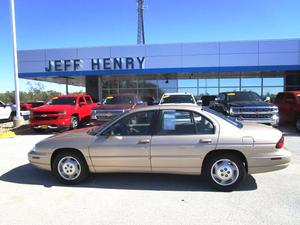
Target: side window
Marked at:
132, 125
175, 122
81, 100
203, 125
88, 100
279, 97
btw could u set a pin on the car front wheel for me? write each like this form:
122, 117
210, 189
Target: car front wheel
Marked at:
225, 172
74, 122
70, 167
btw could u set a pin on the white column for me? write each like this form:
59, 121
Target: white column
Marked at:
16, 72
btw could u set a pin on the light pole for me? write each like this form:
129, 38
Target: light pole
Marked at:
18, 119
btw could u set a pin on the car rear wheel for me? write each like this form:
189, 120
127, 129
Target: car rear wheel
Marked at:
70, 168
74, 122
225, 172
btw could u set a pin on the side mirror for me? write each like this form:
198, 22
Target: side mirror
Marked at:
217, 99
82, 103
199, 102
268, 99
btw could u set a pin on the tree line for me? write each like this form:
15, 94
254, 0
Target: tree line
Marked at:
35, 92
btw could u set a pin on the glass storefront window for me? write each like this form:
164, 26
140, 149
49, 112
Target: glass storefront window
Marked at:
187, 83
209, 91
201, 82
167, 83
128, 84
128, 90
273, 81
254, 89
110, 84
188, 90
251, 81
271, 91
230, 89
229, 82
147, 83
212, 82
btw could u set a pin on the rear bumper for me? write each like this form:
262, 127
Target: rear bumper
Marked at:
278, 160
39, 160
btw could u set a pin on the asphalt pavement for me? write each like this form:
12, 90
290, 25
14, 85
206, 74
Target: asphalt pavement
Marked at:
31, 196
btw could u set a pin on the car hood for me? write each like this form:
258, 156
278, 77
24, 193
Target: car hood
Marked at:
76, 139
249, 103
51, 108
114, 107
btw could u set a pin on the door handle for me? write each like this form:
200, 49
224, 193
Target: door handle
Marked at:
205, 140
146, 141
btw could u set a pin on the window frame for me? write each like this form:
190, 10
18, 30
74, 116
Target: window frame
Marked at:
104, 131
191, 112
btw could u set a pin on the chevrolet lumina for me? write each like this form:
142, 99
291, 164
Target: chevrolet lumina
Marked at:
178, 139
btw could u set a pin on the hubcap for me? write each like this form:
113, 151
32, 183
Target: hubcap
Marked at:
74, 123
224, 172
69, 168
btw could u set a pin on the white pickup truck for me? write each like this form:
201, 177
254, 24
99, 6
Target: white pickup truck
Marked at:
6, 112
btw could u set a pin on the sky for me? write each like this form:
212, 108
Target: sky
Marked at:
44, 24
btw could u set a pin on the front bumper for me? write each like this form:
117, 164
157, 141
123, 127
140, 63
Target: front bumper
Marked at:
40, 160
59, 123
277, 160
273, 120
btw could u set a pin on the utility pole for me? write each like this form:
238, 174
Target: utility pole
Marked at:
18, 119
140, 32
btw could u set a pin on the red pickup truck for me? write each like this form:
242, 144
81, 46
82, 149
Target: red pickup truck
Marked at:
65, 111
114, 105
289, 107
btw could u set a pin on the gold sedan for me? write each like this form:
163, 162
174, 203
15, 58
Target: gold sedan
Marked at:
178, 139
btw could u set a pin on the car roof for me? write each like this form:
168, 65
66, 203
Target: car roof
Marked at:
72, 95
169, 106
175, 93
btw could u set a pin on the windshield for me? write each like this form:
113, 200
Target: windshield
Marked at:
118, 100
177, 99
243, 96
226, 118
62, 101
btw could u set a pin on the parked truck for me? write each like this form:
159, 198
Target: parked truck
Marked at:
246, 106
65, 111
289, 107
115, 105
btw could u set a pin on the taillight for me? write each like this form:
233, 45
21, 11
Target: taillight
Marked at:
280, 143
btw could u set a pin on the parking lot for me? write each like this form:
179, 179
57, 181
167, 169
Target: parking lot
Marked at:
32, 196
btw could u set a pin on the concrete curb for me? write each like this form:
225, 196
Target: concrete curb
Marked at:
8, 134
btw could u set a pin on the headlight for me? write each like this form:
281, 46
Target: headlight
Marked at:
62, 113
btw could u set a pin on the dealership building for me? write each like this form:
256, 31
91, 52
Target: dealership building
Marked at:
266, 67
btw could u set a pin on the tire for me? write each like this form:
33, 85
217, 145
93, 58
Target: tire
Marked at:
11, 116
70, 168
74, 122
298, 124
37, 130
230, 165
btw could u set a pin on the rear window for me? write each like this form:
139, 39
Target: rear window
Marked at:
62, 101
177, 99
118, 100
226, 118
